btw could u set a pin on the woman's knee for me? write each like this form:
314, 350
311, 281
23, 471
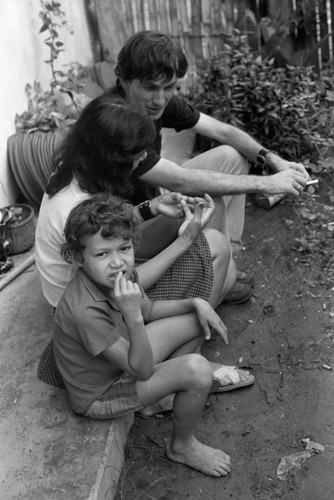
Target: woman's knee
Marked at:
218, 243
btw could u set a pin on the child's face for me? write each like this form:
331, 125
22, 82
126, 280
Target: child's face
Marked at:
105, 257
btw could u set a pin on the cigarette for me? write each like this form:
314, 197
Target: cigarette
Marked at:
309, 183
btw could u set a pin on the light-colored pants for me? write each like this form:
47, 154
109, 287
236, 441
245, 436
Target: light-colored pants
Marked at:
229, 214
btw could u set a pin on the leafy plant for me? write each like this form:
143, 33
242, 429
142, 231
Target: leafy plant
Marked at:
59, 106
286, 109
51, 15
50, 110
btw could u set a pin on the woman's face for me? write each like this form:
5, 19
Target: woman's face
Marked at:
137, 159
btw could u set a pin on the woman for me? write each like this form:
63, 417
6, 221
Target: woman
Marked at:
99, 153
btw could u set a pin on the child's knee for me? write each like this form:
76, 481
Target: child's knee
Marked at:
197, 371
218, 243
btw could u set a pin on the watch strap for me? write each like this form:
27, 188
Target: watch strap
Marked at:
145, 210
261, 157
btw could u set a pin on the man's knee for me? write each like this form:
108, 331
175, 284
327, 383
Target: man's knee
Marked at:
231, 161
223, 159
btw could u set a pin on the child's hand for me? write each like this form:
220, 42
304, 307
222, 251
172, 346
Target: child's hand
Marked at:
209, 319
127, 295
195, 222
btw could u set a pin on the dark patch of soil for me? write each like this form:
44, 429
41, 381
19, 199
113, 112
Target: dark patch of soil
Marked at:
285, 334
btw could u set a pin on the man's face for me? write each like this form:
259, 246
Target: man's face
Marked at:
150, 96
105, 257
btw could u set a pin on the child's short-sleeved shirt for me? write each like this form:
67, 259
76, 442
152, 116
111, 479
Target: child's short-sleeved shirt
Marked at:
85, 324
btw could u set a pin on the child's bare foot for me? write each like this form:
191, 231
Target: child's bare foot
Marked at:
209, 461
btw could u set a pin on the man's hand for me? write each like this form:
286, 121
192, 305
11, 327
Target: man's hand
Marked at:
209, 320
279, 165
289, 181
127, 295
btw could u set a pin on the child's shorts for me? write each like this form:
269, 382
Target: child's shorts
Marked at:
121, 398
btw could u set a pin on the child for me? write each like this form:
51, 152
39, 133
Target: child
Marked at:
118, 351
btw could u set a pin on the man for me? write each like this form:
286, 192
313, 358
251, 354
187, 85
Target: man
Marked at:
148, 70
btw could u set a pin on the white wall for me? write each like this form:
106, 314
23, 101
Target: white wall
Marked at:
22, 55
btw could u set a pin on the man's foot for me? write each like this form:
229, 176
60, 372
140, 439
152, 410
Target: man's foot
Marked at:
209, 461
239, 294
245, 277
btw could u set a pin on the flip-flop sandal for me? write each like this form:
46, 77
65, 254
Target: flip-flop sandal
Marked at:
245, 277
233, 379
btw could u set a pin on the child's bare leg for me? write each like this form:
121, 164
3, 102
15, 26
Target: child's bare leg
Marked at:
190, 377
174, 336
224, 268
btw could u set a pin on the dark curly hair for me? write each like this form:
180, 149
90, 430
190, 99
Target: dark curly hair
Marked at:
151, 55
103, 212
100, 147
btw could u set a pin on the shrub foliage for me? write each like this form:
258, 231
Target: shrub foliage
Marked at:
288, 110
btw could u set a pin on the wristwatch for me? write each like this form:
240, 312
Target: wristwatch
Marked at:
145, 210
261, 157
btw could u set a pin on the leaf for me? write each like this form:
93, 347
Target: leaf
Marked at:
44, 28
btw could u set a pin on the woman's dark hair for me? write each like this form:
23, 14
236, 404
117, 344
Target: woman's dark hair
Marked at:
100, 147
150, 55
103, 212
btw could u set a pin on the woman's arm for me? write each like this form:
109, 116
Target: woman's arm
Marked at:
152, 270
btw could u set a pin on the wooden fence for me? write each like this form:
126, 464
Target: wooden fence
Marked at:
197, 24
299, 27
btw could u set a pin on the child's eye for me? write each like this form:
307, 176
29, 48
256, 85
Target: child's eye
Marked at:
126, 248
101, 254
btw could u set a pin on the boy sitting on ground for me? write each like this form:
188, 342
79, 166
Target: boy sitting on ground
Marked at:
118, 351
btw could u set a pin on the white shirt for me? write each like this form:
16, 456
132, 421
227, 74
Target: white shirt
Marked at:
55, 273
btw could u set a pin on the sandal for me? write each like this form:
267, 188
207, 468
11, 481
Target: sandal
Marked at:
227, 378
245, 277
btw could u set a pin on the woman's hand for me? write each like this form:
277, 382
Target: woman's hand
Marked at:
168, 204
195, 222
209, 320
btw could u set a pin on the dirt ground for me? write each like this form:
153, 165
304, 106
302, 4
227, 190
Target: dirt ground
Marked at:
285, 335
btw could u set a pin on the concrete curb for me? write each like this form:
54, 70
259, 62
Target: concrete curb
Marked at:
46, 450
105, 486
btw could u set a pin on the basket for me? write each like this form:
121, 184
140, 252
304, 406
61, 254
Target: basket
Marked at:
21, 234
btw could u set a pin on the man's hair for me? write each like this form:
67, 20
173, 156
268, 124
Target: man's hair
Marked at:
99, 148
150, 55
110, 215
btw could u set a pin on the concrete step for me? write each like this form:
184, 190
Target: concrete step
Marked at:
47, 452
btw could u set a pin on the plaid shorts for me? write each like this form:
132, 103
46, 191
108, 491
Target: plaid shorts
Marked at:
121, 398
